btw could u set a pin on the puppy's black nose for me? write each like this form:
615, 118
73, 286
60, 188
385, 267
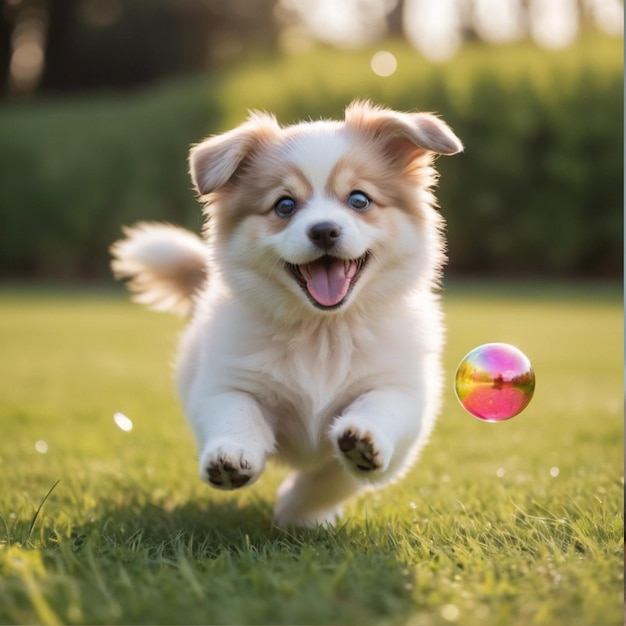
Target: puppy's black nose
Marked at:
325, 234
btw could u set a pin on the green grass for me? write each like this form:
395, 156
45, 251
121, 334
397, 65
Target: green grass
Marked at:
504, 524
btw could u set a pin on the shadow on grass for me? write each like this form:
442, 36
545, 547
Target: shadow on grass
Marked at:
349, 574
206, 524
210, 526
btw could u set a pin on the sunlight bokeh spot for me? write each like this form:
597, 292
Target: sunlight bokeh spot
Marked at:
554, 23
433, 28
608, 16
384, 63
450, 612
498, 21
123, 422
41, 446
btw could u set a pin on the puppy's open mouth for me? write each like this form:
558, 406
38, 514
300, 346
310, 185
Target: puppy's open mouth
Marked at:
328, 280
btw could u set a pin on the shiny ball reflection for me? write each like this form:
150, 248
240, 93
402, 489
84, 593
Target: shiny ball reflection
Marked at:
495, 382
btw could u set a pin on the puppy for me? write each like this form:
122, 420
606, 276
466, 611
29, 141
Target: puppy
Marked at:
315, 331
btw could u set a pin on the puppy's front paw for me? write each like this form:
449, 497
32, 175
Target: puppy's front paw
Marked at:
360, 450
229, 467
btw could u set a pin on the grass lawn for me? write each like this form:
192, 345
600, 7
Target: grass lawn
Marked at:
499, 524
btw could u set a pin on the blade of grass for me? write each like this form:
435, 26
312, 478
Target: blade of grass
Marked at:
32, 524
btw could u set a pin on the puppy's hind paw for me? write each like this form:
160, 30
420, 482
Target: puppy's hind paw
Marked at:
229, 468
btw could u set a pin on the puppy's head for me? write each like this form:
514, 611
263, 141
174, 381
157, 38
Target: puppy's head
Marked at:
325, 214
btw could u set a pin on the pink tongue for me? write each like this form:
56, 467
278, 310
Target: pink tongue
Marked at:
328, 280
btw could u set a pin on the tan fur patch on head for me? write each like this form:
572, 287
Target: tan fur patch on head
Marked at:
214, 161
367, 167
385, 154
424, 131
264, 177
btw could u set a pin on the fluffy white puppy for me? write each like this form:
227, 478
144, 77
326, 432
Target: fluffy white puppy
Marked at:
315, 333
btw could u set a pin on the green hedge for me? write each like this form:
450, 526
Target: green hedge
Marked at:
537, 191
72, 173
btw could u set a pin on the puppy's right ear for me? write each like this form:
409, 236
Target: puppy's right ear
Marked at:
213, 162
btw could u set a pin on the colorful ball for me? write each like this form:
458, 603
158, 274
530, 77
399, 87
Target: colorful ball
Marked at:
495, 382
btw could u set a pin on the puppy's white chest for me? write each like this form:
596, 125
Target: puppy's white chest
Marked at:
303, 382
301, 392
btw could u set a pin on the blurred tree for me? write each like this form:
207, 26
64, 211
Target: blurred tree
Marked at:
394, 19
437, 29
89, 44
70, 45
5, 43
58, 63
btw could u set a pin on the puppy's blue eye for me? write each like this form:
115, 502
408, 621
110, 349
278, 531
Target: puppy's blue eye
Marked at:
359, 201
285, 206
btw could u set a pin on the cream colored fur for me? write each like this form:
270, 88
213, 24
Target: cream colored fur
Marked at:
344, 393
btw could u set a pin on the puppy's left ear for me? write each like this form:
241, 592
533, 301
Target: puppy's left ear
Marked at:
215, 161
423, 131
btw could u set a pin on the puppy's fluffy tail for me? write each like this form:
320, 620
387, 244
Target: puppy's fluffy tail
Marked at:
165, 266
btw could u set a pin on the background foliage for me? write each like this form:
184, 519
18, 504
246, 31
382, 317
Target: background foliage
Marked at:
538, 190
